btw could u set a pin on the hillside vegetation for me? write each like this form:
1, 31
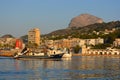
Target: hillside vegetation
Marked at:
85, 32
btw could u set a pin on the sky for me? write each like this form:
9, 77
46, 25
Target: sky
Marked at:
17, 17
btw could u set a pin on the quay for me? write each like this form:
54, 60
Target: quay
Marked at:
7, 53
85, 52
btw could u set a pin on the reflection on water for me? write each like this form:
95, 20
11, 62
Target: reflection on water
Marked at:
75, 68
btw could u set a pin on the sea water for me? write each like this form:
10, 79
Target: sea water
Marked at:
75, 68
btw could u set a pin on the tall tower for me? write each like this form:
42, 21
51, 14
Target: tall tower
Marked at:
34, 36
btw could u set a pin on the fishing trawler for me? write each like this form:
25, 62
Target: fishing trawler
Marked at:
49, 54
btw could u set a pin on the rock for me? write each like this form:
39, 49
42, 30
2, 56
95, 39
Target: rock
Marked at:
84, 20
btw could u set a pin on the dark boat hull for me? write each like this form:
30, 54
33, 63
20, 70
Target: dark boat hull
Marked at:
55, 56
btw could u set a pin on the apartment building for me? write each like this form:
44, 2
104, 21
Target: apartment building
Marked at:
34, 36
73, 42
94, 41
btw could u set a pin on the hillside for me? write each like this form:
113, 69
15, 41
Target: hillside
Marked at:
84, 30
7, 36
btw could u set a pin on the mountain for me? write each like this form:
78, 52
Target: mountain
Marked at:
84, 20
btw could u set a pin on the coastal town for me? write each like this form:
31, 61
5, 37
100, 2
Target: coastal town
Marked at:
9, 46
59, 39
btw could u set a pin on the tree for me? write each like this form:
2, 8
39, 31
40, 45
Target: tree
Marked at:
76, 48
32, 45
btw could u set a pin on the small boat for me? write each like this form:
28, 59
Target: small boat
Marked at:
39, 55
67, 55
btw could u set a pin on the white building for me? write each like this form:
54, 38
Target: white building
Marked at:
94, 41
116, 43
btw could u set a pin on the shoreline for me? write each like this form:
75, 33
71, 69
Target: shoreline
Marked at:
11, 54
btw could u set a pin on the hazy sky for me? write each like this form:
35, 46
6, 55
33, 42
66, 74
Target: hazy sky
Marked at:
17, 17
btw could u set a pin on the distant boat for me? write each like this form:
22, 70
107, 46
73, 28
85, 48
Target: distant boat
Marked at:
66, 55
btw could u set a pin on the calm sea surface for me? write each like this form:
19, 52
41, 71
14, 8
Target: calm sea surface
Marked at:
76, 68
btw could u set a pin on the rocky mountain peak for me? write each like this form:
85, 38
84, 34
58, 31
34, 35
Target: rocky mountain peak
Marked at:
84, 20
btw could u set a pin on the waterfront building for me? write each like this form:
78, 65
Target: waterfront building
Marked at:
73, 42
7, 42
116, 43
65, 43
101, 52
82, 42
19, 44
34, 36
94, 41
49, 43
